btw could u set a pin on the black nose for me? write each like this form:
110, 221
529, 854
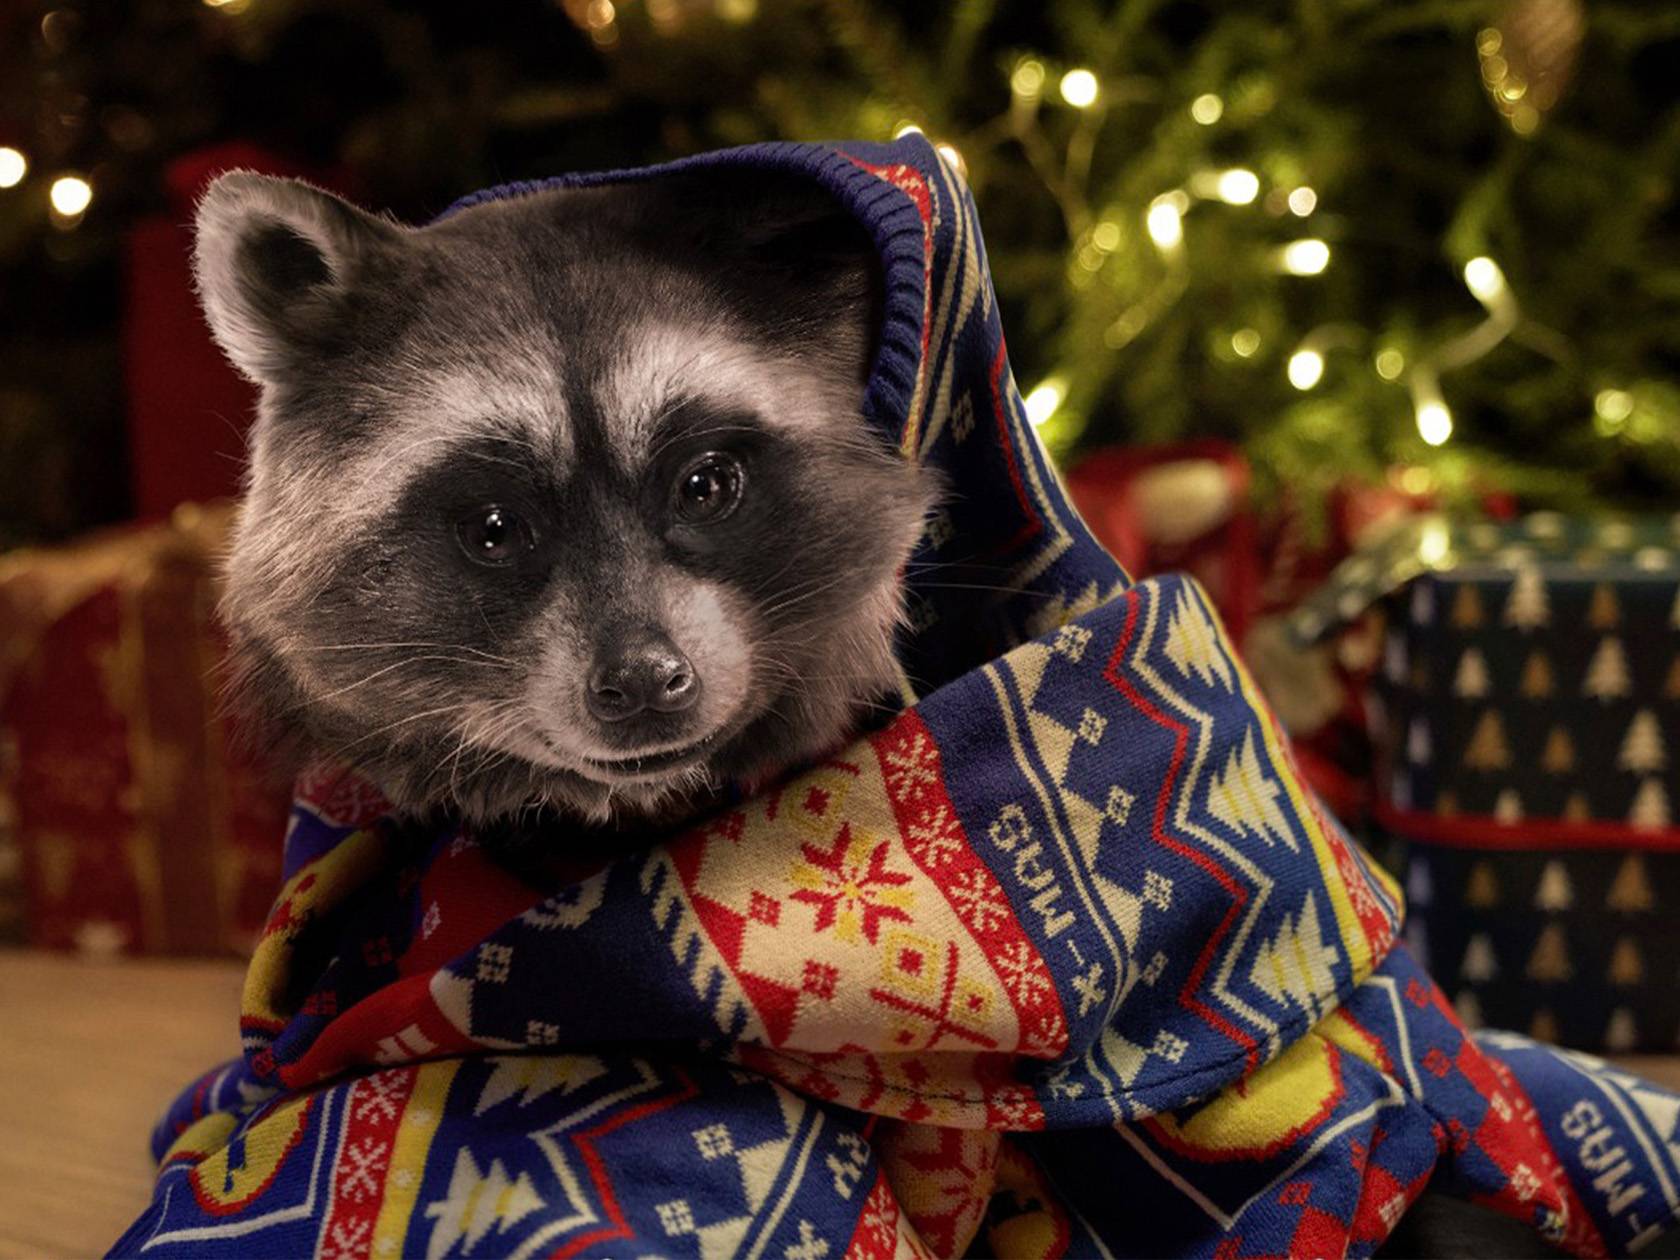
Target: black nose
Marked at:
640, 672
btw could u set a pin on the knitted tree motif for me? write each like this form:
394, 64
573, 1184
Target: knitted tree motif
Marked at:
1607, 672
1576, 808
1544, 1026
1471, 679
1394, 657
1420, 885
1467, 607
1622, 1032
1468, 1009
475, 1202
1631, 888
1549, 963
1554, 892
1487, 750
1558, 757
1423, 604
1417, 742
1603, 612
1481, 890
1507, 807
1245, 798
1626, 965
1297, 964
1642, 748
1528, 607
1650, 806
1536, 682
1479, 963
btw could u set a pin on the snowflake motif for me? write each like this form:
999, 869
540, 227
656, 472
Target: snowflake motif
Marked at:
912, 767
1525, 1184
359, 1174
1016, 1106
713, 1141
429, 922
880, 1220
1091, 727
935, 838
539, 1033
1048, 1037
1071, 641
346, 1240
851, 887
1022, 972
1153, 969
376, 1097
1170, 1046
676, 1216
1118, 808
494, 962
1157, 890
980, 901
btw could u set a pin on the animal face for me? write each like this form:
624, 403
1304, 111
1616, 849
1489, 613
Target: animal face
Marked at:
565, 499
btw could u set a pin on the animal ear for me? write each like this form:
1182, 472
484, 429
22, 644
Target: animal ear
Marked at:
276, 260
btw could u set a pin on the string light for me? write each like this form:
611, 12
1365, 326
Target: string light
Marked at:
1389, 364
1207, 109
1484, 279
1611, 409
1416, 480
1238, 186
70, 195
1080, 88
1165, 222
1306, 257
1028, 80
1306, 369
1434, 542
1042, 402
1303, 201
1434, 422
13, 167
1106, 236
737, 11
1245, 342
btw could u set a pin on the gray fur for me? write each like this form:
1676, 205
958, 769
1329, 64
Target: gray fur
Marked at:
556, 351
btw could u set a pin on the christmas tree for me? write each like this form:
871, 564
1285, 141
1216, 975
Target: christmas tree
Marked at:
1410, 239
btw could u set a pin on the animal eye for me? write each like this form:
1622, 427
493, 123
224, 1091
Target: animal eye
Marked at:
709, 489
493, 535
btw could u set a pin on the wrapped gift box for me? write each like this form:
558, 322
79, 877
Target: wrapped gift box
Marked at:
1526, 721
138, 826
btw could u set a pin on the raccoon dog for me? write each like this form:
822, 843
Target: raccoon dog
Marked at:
562, 501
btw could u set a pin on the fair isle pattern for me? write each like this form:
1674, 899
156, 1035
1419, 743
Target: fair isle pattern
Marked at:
1062, 960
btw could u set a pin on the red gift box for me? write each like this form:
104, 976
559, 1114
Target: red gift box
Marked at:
141, 827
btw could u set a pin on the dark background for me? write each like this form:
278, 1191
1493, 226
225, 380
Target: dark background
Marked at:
1395, 113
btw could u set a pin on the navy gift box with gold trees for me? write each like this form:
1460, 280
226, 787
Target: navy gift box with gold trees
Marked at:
1526, 722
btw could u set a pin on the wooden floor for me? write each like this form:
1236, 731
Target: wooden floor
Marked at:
90, 1054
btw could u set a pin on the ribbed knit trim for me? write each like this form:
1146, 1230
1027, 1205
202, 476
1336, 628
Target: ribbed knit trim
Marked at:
892, 219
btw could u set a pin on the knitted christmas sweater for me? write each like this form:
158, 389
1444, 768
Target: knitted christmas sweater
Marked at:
1063, 960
